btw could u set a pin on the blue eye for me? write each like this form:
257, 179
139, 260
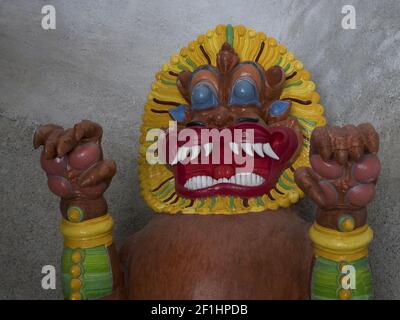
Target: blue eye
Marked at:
244, 92
203, 97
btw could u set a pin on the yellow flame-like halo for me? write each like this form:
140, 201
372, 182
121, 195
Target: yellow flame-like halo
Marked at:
157, 183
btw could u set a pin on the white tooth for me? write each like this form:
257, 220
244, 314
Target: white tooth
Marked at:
209, 181
198, 182
180, 153
183, 153
247, 147
237, 178
232, 180
234, 147
258, 180
258, 148
269, 152
225, 180
203, 181
208, 148
244, 178
193, 183
253, 179
175, 160
248, 180
194, 152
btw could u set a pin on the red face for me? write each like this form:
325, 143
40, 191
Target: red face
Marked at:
241, 136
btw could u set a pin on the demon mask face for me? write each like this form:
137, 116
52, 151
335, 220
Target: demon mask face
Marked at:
233, 111
241, 111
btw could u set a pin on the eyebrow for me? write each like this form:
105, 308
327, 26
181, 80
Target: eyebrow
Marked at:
204, 67
255, 65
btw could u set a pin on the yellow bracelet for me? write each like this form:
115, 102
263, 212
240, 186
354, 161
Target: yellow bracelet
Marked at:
87, 234
341, 246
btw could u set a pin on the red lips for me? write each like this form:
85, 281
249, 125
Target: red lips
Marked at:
246, 164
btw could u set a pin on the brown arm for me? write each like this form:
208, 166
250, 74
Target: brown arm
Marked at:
78, 174
341, 181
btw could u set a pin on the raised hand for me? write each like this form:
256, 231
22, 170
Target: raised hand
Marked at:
73, 161
344, 170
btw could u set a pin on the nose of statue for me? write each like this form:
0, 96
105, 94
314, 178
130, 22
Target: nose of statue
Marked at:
222, 117
223, 171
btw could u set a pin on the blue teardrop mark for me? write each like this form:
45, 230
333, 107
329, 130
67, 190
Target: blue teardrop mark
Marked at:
178, 113
278, 107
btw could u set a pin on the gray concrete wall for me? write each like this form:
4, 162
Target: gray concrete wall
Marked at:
99, 64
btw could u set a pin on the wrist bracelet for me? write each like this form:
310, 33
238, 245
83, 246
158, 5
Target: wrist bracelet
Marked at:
87, 234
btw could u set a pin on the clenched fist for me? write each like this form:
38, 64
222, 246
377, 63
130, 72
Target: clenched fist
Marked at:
344, 170
73, 161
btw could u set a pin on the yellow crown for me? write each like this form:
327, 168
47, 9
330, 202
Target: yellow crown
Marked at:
157, 182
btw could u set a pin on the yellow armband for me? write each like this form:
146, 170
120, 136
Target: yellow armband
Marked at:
87, 234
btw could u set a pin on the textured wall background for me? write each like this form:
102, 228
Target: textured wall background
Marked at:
99, 64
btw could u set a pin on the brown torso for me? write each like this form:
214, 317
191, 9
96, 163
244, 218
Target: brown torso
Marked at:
251, 256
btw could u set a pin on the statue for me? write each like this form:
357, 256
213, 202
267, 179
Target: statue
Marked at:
226, 230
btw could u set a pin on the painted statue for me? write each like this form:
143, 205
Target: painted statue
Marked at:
225, 229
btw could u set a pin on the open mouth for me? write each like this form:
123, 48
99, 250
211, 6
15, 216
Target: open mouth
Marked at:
224, 165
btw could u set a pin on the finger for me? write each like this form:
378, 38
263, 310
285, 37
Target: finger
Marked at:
50, 146
41, 134
370, 136
339, 144
325, 169
87, 129
355, 142
101, 171
367, 170
66, 142
308, 183
321, 143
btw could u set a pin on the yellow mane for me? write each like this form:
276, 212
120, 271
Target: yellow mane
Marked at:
157, 183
